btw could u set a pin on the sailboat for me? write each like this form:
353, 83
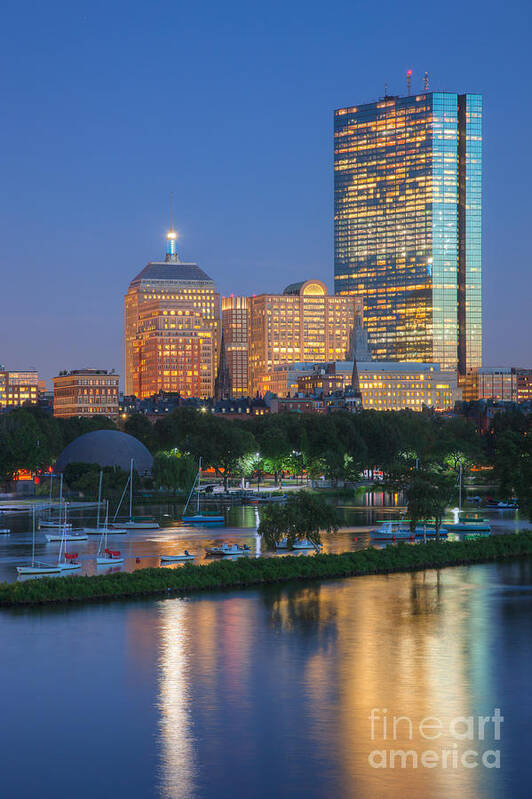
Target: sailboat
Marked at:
98, 530
106, 556
135, 522
199, 518
37, 567
64, 533
67, 561
51, 523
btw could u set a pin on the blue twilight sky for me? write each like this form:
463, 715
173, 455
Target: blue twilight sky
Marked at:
109, 106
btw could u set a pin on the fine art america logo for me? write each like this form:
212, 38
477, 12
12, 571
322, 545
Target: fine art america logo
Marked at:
465, 741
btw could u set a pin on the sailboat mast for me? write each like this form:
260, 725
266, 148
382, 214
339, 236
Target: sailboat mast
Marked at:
99, 499
103, 540
131, 491
60, 499
33, 538
199, 486
191, 492
51, 493
460, 487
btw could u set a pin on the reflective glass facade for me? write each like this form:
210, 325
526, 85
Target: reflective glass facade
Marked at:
408, 224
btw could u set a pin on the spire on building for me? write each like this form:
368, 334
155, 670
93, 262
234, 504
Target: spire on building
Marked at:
171, 249
223, 387
171, 239
358, 337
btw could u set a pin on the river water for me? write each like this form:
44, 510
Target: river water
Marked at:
280, 692
269, 693
144, 548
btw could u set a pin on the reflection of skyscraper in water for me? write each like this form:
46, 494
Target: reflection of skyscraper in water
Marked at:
177, 750
404, 654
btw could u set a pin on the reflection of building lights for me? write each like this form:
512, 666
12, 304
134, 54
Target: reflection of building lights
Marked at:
177, 750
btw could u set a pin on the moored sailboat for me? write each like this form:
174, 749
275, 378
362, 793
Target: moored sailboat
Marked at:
98, 530
37, 567
198, 517
106, 556
135, 522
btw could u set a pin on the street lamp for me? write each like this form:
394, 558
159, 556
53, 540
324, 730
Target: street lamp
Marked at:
257, 467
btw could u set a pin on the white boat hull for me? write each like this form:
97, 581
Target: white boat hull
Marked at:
102, 531
38, 569
108, 561
304, 545
140, 526
54, 526
221, 552
68, 537
69, 567
176, 558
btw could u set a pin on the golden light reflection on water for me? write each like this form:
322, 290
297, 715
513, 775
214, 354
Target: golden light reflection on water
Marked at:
178, 757
409, 645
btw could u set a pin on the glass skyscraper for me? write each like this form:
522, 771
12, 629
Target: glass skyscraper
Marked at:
407, 216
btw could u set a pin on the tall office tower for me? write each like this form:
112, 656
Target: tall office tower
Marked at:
235, 324
304, 324
172, 329
407, 216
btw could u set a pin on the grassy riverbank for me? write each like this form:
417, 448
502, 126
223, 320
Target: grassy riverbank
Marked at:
261, 571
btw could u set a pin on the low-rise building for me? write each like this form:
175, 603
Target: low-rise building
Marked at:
384, 385
162, 404
18, 387
86, 392
498, 383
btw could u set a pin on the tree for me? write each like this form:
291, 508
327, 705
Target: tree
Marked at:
428, 494
273, 445
139, 426
228, 445
303, 515
173, 470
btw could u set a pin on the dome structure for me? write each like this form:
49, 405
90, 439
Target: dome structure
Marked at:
107, 448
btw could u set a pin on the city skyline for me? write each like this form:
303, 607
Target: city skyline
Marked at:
87, 183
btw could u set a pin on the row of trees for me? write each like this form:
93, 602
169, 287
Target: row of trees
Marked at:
339, 446
32, 440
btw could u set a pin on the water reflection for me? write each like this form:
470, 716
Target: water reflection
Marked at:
270, 692
177, 751
307, 665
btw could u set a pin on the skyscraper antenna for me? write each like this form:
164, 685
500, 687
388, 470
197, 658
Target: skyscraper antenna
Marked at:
409, 82
171, 237
385, 90
426, 81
